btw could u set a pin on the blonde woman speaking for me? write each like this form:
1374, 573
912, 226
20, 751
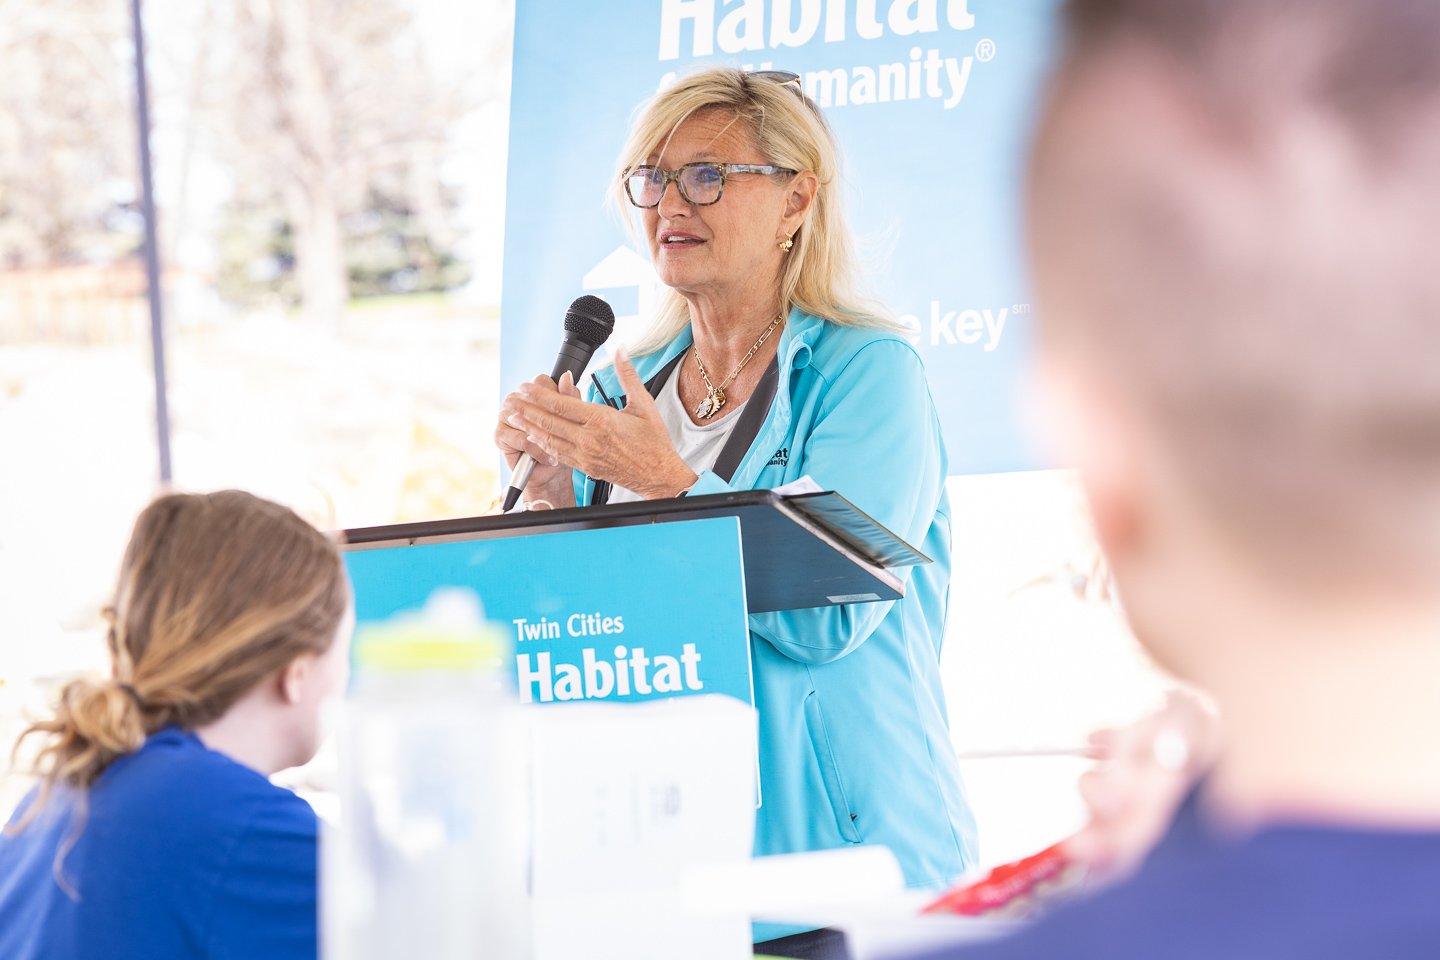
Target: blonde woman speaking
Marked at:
763, 367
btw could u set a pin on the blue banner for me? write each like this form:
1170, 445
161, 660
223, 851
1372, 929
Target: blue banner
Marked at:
629, 613
932, 101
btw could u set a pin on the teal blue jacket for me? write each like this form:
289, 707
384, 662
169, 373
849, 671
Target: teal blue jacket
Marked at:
854, 745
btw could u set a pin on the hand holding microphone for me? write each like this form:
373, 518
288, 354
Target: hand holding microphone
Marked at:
631, 448
549, 482
588, 324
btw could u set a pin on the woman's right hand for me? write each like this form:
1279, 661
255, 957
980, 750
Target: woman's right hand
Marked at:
550, 482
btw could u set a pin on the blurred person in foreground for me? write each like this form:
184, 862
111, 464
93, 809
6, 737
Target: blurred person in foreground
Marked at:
763, 367
1235, 213
155, 830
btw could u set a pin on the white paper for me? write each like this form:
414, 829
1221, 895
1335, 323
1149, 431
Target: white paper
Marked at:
859, 890
796, 885
795, 487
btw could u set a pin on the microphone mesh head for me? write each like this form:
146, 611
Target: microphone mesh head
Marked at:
590, 320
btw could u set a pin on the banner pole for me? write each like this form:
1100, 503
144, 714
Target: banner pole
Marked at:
152, 247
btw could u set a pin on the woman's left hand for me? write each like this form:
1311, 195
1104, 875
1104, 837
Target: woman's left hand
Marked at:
630, 448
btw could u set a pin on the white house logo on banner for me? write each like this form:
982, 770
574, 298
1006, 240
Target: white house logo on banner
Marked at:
932, 101
622, 278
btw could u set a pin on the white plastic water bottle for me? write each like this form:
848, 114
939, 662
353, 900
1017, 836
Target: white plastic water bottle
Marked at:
430, 858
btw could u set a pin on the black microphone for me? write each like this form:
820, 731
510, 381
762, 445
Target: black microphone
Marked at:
588, 324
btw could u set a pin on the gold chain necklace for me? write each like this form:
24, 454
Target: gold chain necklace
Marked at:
714, 398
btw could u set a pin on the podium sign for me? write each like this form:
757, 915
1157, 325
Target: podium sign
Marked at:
617, 614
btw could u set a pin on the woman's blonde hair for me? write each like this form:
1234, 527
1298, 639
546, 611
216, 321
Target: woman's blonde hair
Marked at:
790, 132
216, 593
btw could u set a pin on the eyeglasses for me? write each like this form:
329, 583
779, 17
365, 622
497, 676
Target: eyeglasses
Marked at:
782, 77
700, 183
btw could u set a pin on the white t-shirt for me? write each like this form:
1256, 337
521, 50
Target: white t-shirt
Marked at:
699, 445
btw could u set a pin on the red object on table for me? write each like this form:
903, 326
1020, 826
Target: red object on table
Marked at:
1011, 887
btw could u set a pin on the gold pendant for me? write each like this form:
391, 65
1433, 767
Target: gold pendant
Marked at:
711, 404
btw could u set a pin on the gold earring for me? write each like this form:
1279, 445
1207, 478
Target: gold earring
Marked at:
786, 244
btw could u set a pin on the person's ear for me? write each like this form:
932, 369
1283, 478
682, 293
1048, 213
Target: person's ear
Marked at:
1091, 430
1110, 478
803, 187
293, 676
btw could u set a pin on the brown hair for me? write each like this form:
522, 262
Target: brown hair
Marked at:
1368, 62
216, 592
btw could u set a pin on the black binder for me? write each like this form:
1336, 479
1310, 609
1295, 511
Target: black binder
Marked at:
803, 550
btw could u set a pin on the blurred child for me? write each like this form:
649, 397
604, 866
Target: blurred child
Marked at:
155, 831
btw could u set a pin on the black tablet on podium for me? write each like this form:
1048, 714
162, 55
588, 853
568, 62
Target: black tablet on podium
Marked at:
800, 550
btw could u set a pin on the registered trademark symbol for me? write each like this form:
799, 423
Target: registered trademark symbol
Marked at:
985, 51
